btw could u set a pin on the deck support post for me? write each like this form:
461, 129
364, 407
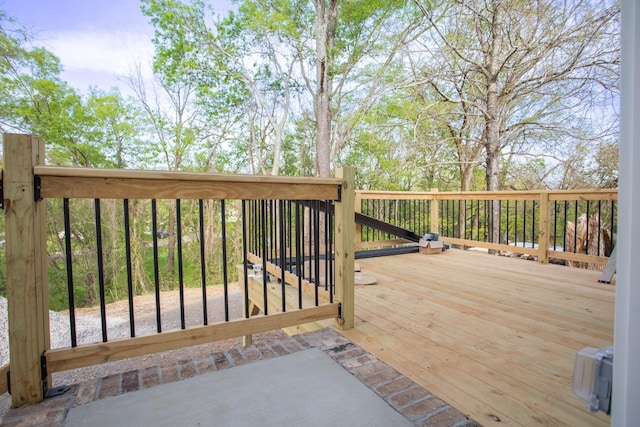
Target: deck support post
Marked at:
344, 247
358, 231
26, 255
435, 212
543, 229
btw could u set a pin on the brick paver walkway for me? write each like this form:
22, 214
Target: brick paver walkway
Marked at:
408, 398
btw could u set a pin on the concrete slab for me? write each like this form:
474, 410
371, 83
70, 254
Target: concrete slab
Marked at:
306, 388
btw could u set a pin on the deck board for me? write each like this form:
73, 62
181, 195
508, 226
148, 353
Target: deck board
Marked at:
495, 337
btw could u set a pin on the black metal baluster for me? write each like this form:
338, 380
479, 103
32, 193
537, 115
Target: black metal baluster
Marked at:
290, 232
499, 219
69, 265
555, 223
272, 233
524, 224
586, 246
127, 240
564, 228
301, 225
472, 221
330, 257
515, 223
488, 236
100, 260
599, 224
458, 217
255, 223
533, 225
245, 262
508, 211
264, 257
225, 266
327, 246
575, 227
311, 236
613, 217
203, 263
316, 247
183, 323
283, 250
299, 246
156, 269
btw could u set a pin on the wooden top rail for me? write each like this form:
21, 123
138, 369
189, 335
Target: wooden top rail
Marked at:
563, 195
138, 184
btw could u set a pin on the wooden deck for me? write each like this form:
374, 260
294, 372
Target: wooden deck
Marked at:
495, 337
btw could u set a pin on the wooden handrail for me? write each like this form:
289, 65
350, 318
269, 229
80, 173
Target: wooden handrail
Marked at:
59, 182
545, 198
587, 194
74, 172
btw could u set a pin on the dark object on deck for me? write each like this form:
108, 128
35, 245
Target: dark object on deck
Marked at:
386, 252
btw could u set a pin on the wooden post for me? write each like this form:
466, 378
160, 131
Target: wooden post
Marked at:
543, 229
344, 254
27, 285
435, 212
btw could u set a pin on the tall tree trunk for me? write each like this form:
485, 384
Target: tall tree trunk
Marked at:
326, 16
492, 129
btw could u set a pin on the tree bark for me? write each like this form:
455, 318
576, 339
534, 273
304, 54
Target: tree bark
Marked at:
492, 127
326, 16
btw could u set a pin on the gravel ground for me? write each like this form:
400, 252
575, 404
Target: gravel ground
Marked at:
89, 330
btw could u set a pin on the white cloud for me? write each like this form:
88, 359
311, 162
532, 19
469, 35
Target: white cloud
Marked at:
102, 52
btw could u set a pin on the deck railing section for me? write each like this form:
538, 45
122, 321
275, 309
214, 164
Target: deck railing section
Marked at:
575, 226
293, 238
408, 210
252, 213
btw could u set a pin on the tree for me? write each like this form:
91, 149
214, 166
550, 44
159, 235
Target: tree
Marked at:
532, 70
219, 60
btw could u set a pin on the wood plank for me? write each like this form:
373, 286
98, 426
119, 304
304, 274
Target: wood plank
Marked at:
291, 279
394, 195
519, 403
603, 194
570, 256
554, 195
92, 354
507, 338
143, 188
76, 172
274, 303
493, 336
344, 254
488, 245
27, 286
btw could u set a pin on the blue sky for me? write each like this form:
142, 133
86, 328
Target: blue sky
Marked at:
96, 40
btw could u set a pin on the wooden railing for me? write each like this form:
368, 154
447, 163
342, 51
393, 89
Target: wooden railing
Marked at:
28, 183
576, 226
550, 224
